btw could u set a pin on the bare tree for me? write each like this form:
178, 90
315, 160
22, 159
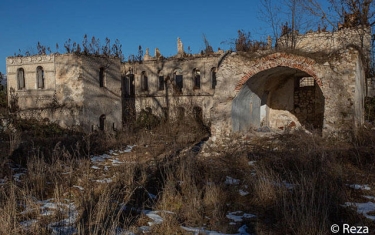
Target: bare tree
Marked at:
354, 12
288, 18
272, 13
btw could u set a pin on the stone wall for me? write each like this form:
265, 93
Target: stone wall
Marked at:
30, 96
166, 101
337, 83
233, 92
101, 100
70, 96
329, 41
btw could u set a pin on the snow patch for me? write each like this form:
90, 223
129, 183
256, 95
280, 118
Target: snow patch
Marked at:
238, 216
243, 193
197, 231
17, 177
28, 223
370, 197
251, 163
129, 148
229, 180
157, 219
116, 161
104, 181
364, 208
361, 187
97, 159
79, 187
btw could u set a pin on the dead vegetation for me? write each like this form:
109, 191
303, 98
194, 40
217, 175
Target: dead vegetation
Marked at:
292, 184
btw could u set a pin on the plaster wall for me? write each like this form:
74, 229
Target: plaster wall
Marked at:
170, 98
31, 97
72, 96
97, 100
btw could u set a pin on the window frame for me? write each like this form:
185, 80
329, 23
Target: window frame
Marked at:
161, 83
196, 79
40, 79
306, 82
178, 78
19, 87
144, 81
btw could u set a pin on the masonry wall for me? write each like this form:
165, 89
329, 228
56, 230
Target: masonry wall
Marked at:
101, 100
71, 96
31, 97
171, 98
250, 91
338, 80
330, 41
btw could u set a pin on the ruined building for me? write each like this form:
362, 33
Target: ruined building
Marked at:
318, 84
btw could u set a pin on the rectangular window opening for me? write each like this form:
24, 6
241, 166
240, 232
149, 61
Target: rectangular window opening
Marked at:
161, 83
179, 82
306, 82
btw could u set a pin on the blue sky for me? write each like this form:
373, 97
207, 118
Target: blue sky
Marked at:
147, 23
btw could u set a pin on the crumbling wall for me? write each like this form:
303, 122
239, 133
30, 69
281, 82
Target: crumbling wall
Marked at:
165, 102
71, 95
61, 97
337, 84
329, 42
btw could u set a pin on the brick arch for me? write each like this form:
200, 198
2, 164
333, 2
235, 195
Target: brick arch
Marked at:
280, 59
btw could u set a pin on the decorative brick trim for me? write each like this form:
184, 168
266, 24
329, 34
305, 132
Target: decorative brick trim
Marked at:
280, 59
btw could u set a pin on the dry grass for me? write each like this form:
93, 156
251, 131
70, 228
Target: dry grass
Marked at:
296, 185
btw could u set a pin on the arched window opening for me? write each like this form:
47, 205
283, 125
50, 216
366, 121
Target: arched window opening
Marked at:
144, 81
178, 78
102, 122
21, 79
129, 86
213, 78
197, 79
102, 77
40, 77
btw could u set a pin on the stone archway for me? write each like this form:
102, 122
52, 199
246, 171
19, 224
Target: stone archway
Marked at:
249, 93
253, 92
280, 59
278, 98
279, 91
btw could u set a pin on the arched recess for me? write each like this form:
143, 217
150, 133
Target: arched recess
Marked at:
278, 97
40, 77
280, 59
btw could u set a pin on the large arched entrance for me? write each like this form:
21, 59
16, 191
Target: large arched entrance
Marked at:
279, 97
283, 90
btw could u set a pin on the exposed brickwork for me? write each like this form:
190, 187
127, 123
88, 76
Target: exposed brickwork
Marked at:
280, 59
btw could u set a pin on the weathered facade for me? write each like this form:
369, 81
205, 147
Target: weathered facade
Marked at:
320, 84
72, 90
171, 88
